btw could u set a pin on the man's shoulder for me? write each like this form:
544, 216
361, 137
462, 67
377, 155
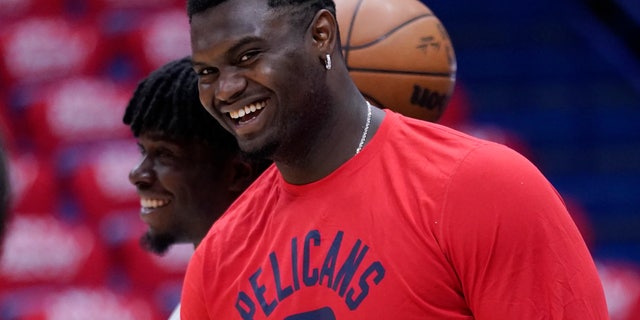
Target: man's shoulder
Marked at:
440, 151
412, 129
431, 140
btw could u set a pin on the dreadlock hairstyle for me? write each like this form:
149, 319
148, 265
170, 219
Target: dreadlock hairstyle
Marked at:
306, 9
167, 102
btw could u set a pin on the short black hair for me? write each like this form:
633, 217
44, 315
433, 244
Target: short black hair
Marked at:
310, 7
167, 102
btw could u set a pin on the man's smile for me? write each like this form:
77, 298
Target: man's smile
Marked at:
149, 204
247, 113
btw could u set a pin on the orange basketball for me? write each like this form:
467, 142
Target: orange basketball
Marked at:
398, 54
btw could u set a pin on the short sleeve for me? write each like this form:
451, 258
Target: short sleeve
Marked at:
512, 243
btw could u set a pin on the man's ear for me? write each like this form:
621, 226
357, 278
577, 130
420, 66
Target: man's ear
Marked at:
324, 31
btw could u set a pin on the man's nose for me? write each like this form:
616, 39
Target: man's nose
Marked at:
142, 174
231, 84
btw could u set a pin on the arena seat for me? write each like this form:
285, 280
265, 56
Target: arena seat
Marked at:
34, 185
77, 302
39, 49
159, 38
99, 181
12, 10
77, 110
44, 250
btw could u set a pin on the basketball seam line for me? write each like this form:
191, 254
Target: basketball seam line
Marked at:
384, 36
353, 19
368, 70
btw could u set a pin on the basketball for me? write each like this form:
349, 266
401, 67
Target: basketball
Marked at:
398, 54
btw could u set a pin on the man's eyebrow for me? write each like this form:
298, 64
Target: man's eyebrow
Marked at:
244, 41
197, 64
235, 47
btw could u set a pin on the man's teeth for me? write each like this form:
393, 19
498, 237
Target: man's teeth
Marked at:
153, 203
247, 110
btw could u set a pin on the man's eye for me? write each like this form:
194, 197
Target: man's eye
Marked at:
207, 71
247, 56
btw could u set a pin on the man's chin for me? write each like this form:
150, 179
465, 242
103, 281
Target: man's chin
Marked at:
263, 152
157, 243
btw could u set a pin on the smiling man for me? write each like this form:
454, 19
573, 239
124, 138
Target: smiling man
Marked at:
366, 214
191, 169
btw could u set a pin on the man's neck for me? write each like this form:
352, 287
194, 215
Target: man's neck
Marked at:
333, 148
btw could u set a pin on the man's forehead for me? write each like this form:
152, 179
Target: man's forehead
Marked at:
222, 33
235, 10
244, 15
215, 25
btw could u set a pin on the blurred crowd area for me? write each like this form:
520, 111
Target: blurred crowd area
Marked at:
68, 68
67, 71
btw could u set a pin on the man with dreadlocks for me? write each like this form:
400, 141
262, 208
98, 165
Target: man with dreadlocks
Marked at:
191, 169
366, 214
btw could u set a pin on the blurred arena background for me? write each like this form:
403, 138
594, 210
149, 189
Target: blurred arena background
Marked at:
557, 81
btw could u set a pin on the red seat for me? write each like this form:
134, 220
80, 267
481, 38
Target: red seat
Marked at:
17, 9
77, 110
100, 181
79, 302
34, 187
158, 39
41, 49
7, 137
107, 5
43, 250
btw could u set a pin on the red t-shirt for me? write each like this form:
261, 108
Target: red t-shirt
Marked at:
425, 223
